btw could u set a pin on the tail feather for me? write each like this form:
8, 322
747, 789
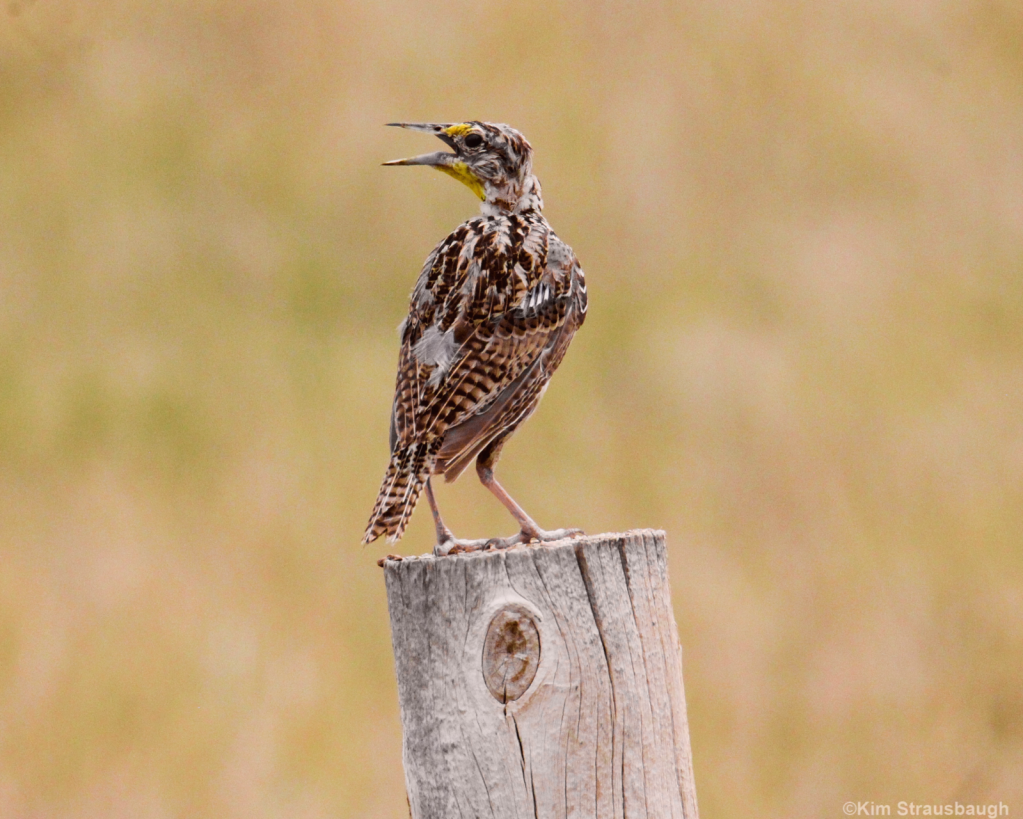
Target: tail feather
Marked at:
403, 483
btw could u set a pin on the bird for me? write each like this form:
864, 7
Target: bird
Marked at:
490, 318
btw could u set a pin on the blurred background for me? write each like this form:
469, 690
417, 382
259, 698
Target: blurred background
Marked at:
802, 227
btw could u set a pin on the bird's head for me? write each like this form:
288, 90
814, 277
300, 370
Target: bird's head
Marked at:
495, 161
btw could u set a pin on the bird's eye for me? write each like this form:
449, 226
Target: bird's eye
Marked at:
473, 141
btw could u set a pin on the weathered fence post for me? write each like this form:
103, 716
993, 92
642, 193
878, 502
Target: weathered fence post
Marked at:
542, 681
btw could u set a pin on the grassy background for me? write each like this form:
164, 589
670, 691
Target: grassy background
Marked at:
802, 226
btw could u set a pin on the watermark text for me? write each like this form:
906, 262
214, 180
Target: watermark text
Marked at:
990, 810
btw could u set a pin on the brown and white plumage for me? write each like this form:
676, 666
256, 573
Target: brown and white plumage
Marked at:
490, 318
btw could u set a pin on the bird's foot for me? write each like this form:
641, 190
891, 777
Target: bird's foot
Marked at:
547, 536
454, 545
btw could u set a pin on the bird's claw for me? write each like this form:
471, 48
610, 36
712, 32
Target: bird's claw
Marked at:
454, 546
548, 536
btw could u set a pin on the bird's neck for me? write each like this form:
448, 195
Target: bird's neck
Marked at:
517, 197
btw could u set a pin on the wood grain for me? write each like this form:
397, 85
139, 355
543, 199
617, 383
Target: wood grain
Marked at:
599, 731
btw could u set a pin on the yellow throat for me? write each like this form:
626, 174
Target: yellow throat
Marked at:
460, 171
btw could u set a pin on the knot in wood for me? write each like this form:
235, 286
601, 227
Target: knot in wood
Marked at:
511, 653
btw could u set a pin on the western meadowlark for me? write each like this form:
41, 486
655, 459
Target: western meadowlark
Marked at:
490, 318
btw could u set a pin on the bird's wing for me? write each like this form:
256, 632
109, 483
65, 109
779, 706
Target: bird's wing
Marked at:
486, 307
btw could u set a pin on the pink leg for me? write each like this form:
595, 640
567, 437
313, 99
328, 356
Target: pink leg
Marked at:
447, 543
529, 530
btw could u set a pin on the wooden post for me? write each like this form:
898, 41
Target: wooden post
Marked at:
542, 681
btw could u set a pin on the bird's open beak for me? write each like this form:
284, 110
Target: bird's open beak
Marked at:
435, 159
441, 131
451, 164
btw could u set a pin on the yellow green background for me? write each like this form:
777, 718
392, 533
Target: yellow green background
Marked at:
802, 228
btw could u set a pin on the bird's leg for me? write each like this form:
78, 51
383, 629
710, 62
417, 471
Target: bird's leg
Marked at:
447, 543
529, 529
443, 532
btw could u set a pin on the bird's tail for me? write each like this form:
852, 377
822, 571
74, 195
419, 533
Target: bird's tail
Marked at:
403, 482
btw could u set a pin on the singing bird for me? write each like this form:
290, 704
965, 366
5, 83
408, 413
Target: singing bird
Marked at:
490, 318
